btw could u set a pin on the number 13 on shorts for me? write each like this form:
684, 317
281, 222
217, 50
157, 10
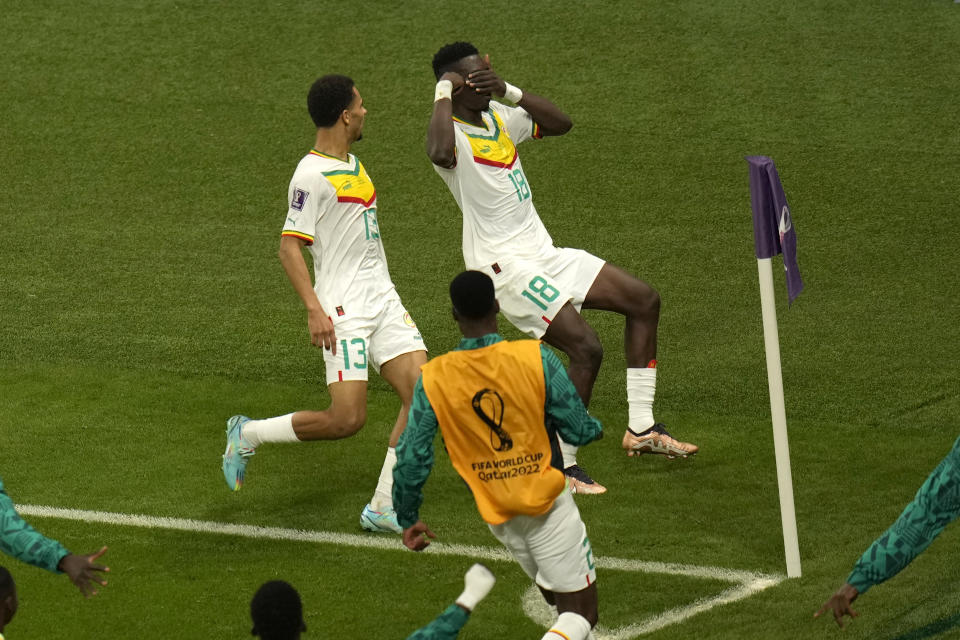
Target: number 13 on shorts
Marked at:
359, 347
540, 292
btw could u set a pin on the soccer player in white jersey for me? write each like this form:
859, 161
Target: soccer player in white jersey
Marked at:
472, 142
353, 311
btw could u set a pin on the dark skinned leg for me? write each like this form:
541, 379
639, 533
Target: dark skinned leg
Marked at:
570, 333
583, 602
618, 291
613, 290
402, 373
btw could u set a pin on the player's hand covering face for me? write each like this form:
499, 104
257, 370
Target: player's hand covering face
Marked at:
485, 80
476, 99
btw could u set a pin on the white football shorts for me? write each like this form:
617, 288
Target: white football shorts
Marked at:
553, 549
531, 292
372, 332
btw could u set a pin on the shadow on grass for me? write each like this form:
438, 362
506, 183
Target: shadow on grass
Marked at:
932, 629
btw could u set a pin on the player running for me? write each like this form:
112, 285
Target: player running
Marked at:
353, 310
472, 142
497, 405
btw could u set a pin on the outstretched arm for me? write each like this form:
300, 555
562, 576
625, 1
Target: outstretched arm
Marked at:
414, 462
551, 120
83, 571
441, 144
23, 542
564, 405
839, 604
478, 582
20, 540
936, 504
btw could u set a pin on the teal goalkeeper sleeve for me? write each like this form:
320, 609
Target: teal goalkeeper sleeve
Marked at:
563, 403
936, 505
20, 540
414, 457
446, 626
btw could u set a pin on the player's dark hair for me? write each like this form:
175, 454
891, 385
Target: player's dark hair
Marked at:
450, 54
6, 583
472, 295
276, 611
328, 98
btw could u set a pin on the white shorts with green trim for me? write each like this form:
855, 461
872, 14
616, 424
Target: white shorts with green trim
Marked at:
553, 549
531, 292
370, 334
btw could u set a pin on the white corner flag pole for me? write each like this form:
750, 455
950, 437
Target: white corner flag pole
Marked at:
771, 342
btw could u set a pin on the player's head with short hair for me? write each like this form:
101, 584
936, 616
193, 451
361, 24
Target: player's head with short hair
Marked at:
8, 597
473, 296
329, 97
277, 612
449, 56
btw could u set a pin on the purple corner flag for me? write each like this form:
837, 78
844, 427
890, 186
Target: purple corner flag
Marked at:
772, 225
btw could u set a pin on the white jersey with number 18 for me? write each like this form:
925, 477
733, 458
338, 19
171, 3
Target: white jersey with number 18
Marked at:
488, 183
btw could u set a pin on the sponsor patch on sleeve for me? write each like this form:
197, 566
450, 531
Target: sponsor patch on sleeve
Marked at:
299, 199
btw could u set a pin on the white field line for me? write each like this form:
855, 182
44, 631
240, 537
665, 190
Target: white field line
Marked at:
540, 612
746, 583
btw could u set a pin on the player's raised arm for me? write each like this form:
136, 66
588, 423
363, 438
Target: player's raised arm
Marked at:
552, 121
548, 116
441, 146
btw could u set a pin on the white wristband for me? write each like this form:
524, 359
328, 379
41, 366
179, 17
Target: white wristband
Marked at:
477, 582
512, 93
444, 90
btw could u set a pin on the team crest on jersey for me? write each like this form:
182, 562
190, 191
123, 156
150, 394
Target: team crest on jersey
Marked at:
496, 148
299, 199
408, 319
353, 185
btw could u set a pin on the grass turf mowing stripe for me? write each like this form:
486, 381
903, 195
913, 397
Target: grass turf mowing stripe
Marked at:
746, 583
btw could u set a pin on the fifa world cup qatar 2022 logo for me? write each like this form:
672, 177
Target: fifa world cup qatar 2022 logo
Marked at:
488, 405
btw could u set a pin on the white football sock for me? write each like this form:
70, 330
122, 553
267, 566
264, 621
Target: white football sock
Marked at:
641, 386
383, 496
569, 625
569, 452
279, 429
477, 582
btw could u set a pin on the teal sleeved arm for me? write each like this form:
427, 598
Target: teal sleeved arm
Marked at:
20, 540
446, 626
936, 504
414, 458
564, 405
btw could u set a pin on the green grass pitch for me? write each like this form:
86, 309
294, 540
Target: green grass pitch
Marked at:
146, 151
